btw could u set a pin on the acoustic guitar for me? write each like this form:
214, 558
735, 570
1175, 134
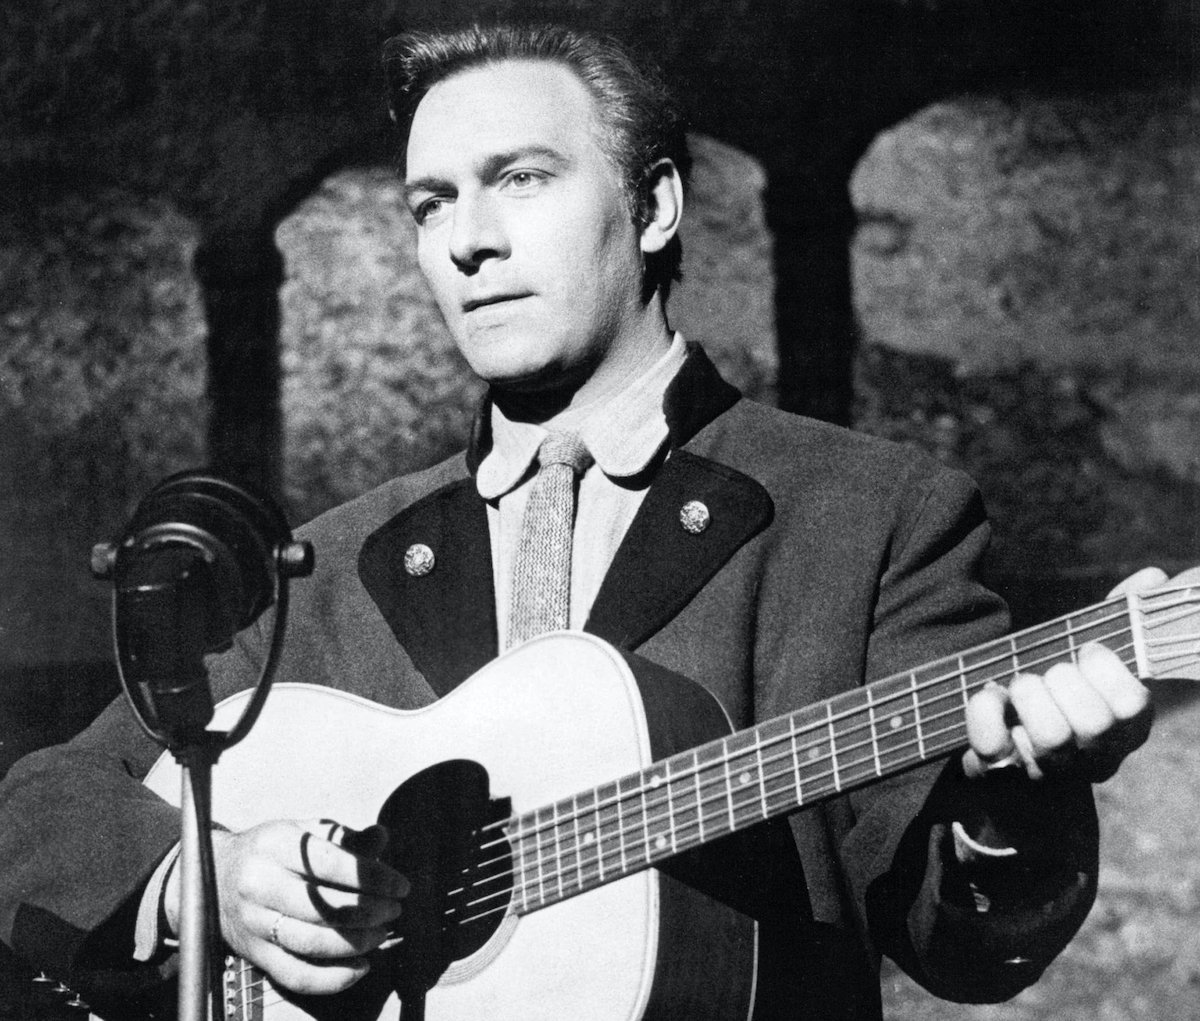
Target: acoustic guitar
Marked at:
552, 813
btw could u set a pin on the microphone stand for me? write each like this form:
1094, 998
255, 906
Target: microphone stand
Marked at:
171, 606
197, 884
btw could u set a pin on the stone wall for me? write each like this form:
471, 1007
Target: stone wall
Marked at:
1027, 277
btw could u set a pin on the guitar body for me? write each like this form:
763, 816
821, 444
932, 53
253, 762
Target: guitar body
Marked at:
558, 715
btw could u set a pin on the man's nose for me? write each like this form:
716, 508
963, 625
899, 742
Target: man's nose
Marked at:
477, 233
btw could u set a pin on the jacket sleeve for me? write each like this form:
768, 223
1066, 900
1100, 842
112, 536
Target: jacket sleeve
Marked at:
983, 931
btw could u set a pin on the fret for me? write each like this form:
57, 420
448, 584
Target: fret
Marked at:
874, 732
1107, 623
540, 818
620, 828
558, 856
916, 715
712, 779
777, 766
795, 759
1135, 612
683, 791
608, 827
982, 665
744, 773
939, 688
893, 736
699, 796
814, 754
849, 725
587, 830
1016, 662
660, 827
1072, 649
837, 783
630, 792
962, 682
643, 786
762, 779
577, 865
729, 792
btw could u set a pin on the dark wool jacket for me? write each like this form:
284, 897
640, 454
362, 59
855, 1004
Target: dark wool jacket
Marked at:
831, 559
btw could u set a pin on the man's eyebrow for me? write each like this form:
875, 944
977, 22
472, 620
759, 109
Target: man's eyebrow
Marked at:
489, 167
424, 184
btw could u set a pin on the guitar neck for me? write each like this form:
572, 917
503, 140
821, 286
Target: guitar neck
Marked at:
845, 742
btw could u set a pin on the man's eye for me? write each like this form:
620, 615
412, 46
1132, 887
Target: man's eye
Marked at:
523, 180
430, 209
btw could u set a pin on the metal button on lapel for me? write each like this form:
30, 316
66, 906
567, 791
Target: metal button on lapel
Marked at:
694, 517
418, 560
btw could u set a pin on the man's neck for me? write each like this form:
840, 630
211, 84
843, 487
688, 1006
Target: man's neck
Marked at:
630, 358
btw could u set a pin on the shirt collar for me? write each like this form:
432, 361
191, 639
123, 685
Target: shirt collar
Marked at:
623, 435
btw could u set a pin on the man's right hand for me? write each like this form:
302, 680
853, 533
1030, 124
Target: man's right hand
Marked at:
304, 901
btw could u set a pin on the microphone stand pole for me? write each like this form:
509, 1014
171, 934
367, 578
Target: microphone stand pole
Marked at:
196, 975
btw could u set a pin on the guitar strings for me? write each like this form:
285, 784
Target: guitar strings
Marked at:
904, 694
556, 824
822, 725
931, 740
643, 820
935, 744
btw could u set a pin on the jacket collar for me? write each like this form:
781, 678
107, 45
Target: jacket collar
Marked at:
695, 397
446, 618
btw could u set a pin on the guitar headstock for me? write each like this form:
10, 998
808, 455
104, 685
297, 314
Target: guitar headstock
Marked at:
1170, 626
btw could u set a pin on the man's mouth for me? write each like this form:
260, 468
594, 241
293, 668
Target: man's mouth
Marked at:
490, 299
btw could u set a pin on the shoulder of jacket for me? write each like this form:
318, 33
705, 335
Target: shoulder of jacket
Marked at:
350, 522
765, 436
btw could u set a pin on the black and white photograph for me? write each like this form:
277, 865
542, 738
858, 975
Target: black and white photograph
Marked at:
590, 510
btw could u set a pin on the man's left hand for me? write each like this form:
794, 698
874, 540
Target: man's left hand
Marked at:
1080, 719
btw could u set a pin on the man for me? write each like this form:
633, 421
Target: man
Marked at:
775, 561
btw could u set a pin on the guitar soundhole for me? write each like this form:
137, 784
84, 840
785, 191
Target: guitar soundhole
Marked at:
445, 835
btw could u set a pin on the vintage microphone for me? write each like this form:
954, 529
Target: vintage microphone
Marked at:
202, 558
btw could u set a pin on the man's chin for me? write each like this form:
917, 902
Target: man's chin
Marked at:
536, 392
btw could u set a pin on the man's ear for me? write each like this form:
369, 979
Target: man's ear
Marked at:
664, 208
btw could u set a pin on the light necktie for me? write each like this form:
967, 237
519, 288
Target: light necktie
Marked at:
541, 585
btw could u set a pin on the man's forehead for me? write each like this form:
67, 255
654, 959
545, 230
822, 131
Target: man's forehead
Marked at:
508, 105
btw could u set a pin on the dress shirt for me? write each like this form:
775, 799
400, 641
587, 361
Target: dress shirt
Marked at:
625, 435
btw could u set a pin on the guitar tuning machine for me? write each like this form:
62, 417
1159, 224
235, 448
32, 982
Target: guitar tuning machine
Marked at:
77, 1003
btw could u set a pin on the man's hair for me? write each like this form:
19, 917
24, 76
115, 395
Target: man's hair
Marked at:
640, 123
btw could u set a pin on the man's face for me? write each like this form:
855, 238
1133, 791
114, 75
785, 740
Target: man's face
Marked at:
524, 232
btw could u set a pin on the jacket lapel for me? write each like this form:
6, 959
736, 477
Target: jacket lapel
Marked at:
660, 565
444, 618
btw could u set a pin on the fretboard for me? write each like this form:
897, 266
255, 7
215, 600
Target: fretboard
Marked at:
845, 742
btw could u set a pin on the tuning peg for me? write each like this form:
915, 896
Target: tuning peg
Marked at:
43, 978
77, 1003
